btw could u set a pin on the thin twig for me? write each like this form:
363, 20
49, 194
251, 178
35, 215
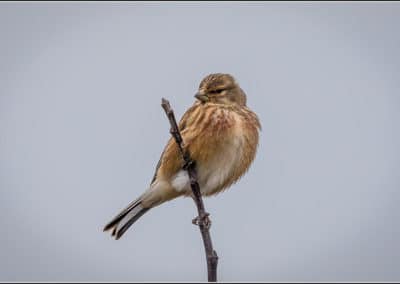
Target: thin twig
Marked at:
202, 220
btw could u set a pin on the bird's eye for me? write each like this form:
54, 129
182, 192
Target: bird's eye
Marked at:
217, 91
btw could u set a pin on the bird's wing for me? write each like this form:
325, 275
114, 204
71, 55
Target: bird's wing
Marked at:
181, 125
158, 166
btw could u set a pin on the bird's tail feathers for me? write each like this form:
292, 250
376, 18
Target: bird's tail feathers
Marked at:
121, 223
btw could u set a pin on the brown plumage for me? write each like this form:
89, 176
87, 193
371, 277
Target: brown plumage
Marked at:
221, 134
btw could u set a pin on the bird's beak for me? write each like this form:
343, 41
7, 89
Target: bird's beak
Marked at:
201, 97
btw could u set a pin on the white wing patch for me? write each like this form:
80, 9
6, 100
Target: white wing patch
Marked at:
180, 181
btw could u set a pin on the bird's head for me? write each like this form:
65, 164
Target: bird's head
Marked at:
222, 89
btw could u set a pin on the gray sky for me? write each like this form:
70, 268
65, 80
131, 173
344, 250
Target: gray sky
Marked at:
81, 131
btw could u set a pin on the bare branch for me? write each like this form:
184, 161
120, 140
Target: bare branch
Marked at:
202, 219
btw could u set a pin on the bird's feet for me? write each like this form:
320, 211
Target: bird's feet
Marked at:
202, 220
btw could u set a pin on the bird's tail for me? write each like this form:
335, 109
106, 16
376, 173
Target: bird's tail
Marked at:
126, 218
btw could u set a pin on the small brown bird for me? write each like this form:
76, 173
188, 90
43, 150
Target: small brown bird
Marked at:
220, 133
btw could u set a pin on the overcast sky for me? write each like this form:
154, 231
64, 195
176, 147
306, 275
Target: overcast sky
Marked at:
81, 131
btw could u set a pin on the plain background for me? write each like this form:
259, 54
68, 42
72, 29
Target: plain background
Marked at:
81, 131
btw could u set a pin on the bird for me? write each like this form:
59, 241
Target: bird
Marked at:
220, 133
